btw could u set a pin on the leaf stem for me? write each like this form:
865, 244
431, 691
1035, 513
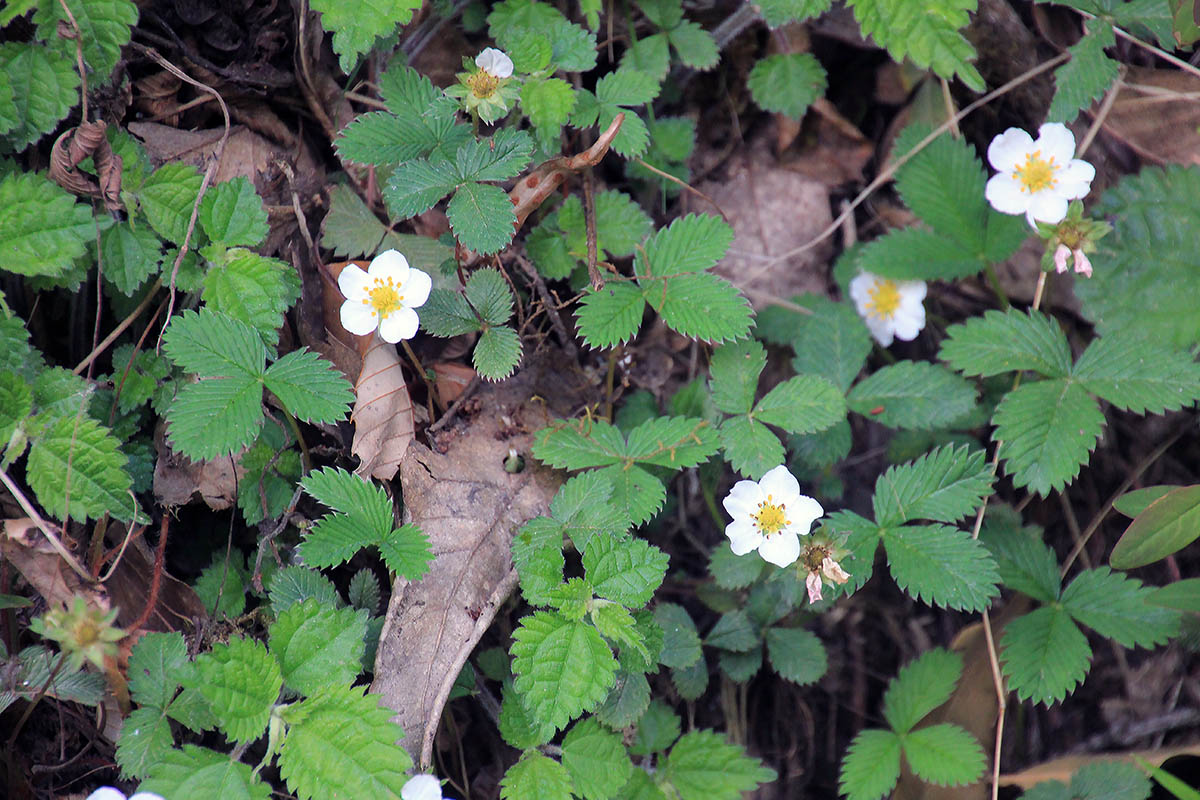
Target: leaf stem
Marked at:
994, 281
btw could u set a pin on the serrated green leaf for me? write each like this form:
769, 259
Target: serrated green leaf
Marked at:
44, 86
516, 726
943, 185
691, 682
700, 306
734, 631
215, 417
416, 186
1025, 563
944, 485
309, 387
925, 32
16, 403
796, 654
750, 447
914, 395
921, 686
626, 701
357, 24
1138, 375
241, 682
657, 730
77, 460
482, 217
596, 761
295, 584
1047, 430
562, 668
1008, 341
1119, 608
626, 571
154, 662
803, 404
535, 775
689, 244
381, 138
681, 642
537, 555
580, 443
350, 229
871, 766
674, 442
1167, 526
498, 158
612, 315
131, 255
42, 229
777, 13
917, 254
253, 289
145, 740
221, 587
644, 648
489, 295
787, 83
650, 55
734, 372
703, 766
497, 353
318, 646
168, 197
342, 743
944, 755
741, 667
582, 507
696, 47
942, 565
446, 313
1044, 654
232, 213
200, 772
104, 28
831, 342
732, 571
1087, 76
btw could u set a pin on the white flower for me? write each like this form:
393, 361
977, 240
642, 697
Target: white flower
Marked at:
891, 309
109, 793
1037, 179
422, 787
770, 515
495, 63
384, 296
1082, 264
832, 572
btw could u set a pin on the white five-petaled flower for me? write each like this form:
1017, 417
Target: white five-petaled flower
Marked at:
770, 516
109, 793
832, 572
495, 63
422, 787
1037, 178
891, 309
383, 297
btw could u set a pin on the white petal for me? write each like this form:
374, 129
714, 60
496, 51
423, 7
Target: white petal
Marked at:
422, 787
401, 324
743, 536
1077, 171
911, 291
908, 322
145, 796
352, 281
813, 583
1048, 207
1060, 258
781, 549
743, 499
781, 485
881, 329
416, 289
1009, 149
833, 571
494, 62
1003, 192
860, 290
357, 318
1055, 141
389, 264
803, 513
106, 793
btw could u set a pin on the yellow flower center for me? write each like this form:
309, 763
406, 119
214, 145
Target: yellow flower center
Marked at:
1036, 173
483, 84
885, 298
771, 517
384, 298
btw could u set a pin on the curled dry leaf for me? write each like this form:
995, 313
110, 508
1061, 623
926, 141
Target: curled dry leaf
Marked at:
177, 478
71, 148
24, 546
470, 507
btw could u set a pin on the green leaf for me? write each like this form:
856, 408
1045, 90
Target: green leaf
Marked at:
417, 185
1135, 374
871, 766
944, 186
649, 54
489, 295
796, 654
1087, 76
831, 342
309, 387
1044, 654
447, 314
583, 510
942, 565
1165, 527
700, 306
76, 460
921, 686
1008, 341
612, 315
681, 642
548, 103
16, 403
1047, 430
350, 229
232, 213
241, 682
944, 754
626, 701
498, 158
1132, 504
703, 766
1114, 780
342, 743
253, 289
45, 87
803, 404
516, 727
1119, 608
168, 197
579, 444
482, 217
777, 13
691, 682
626, 571
596, 761
131, 255
380, 138
734, 631
692, 243
318, 646
734, 372
787, 83
750, 447
944, 485
200, 772
215, 417
674, 442
104, 28
925, 32
536, 776
562, 667
1024, 562
917, 254
732, 571
497, 352
696, 47
295, 584
154, 664
358, 23
657, 730
42, 229
914, 395
144, 743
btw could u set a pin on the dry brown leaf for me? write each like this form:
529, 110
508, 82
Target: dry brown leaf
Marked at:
24, 546
1061, 769
453, 379
1154, 101
469, 506
177, 478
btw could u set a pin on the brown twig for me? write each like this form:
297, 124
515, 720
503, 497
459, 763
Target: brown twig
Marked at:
121, 326
589, 217
160, 553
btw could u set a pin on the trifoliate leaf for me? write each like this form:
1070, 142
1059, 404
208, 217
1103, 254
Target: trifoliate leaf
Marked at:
703, 766
482, 217
942, 565
626, 701
104, 28
913, 395
777, 13
596, 760
1044, 654
200, 772
944, 755
1087, 76
787, 83
1008, 341
318, 646
44, 86
168, 196
928, 33
681, 642
871, 766
689, 244
76, 460
1165, 527
232, 213
381, 138
1047, 430
241, 682
144, 743
612, 315
831, 342
700, 306
734, 631
536, 776
562, 667
803, 404
796, 654
1118, 608
131, 255
358, 23
626, 571
944, 485
921, 686
309, 387
1139, 375
154, 664
253, 289
42, 229
417, 185
342, 743
295, 584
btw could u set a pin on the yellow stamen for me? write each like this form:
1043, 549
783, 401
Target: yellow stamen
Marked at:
483, 84
384, 297
1036, 173
885, 299
771, 517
